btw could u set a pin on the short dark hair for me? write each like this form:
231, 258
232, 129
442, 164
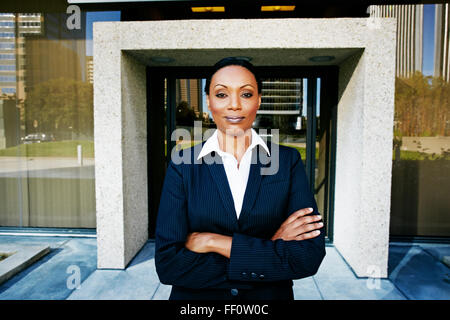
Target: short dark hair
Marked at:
233, 61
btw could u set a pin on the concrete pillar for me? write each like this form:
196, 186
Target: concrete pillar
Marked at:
364, 154
120, 132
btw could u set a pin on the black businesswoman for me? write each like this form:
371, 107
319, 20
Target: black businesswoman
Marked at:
225, 231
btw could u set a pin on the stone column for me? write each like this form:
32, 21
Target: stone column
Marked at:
120, 132
364, 151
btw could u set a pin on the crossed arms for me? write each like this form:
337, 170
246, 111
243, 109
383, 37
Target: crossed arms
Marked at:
204, 259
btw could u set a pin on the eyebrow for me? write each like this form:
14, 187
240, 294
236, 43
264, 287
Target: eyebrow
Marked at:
248, 84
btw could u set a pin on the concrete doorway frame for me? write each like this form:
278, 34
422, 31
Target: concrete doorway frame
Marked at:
365, 48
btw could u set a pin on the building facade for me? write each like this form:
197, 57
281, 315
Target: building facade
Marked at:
51, 151
442, 41
409, 35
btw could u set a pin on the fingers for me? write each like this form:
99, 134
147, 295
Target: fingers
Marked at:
299, 225
304, 228
305, 220
302, 233
308, 235
311, 226
293, 230
297, 214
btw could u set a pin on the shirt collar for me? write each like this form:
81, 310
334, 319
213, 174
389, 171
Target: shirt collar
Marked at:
212, 144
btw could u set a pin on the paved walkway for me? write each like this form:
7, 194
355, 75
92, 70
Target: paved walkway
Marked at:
415, 272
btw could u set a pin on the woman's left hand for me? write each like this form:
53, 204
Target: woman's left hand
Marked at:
198, 242
203, 242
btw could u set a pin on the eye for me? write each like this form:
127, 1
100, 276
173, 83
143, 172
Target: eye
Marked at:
221, 95
247, 94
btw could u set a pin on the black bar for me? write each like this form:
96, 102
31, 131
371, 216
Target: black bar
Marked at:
329, 101
311, 131
156, 160
332, 180
229, 310
170, 112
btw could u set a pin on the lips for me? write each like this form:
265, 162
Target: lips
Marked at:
234, 119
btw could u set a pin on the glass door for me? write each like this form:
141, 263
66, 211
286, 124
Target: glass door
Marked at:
291, 105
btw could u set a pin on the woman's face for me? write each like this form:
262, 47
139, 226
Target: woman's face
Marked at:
233, 99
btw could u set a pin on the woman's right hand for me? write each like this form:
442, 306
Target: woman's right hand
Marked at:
299, 226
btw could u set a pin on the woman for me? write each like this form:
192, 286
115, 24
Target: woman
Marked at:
224, 231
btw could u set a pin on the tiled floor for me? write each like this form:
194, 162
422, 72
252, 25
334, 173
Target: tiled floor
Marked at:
415, 272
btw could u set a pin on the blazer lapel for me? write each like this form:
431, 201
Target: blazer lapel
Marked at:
220, 178
253, 184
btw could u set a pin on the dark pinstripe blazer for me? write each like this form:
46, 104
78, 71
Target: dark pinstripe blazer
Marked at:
197, 198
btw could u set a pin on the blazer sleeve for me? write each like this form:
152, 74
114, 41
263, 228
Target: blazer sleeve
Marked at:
175, 264
255, 259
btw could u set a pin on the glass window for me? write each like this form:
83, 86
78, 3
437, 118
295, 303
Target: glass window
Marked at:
421, 146
8, 90
6, 34
7, 46
46, 121
8, 68
7, 78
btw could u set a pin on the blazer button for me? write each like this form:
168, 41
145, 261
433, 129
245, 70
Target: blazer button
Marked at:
261, 276
244, 273
234, 292
254, 275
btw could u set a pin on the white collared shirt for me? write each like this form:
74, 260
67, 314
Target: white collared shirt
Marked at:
237, 177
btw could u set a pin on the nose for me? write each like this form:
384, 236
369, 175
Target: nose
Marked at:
235, 103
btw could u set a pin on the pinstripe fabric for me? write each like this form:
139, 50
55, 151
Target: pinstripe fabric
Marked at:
196, 197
